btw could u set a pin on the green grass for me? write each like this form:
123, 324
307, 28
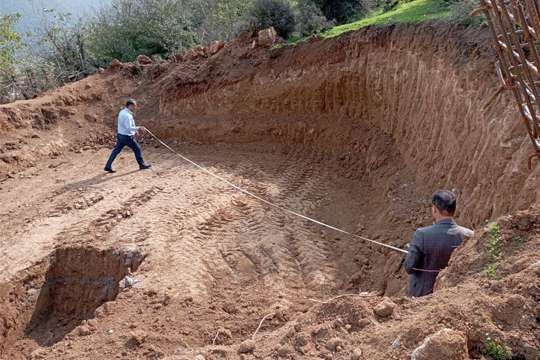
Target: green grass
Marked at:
496, 351
406, 12
416, 11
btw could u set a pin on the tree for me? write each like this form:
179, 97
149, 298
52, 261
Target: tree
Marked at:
10, 42
224, 19
342, 10
127, 28
63, 43
310, 19
276, 13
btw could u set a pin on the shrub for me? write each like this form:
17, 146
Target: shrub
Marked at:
276, 13
310, 19
224, 19
127, 28
343, 11
10, 41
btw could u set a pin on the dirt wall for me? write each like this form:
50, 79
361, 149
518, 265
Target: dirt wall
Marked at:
425, 87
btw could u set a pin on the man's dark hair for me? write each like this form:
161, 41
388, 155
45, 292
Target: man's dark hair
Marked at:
131, 102
445, 201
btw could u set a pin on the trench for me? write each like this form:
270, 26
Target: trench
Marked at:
54, 297
356, 132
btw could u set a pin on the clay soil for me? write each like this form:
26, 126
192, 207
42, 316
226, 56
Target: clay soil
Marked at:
171, 263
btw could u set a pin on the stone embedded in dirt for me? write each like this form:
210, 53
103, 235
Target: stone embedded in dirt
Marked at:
199, 357
195, 53
93, 323
267, 37
247, 347
446, 344
356, 354
83, 330
284, 351
215, 47
144, 60
385, 308
334, 344
116, 65
138, 337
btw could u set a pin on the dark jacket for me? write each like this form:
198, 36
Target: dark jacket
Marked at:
430, 250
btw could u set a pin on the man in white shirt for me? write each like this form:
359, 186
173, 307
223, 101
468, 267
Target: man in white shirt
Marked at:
126, 136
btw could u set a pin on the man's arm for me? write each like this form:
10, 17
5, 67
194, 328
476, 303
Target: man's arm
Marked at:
415, 253
132, 125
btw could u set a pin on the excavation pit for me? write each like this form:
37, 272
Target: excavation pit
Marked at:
77, 281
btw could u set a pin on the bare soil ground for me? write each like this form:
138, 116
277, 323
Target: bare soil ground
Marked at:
171, 263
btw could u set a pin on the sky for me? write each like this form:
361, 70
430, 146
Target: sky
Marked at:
31, 10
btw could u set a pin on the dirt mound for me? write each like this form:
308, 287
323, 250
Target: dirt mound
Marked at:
354, 131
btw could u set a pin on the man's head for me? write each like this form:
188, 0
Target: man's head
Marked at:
443, 204
131, 104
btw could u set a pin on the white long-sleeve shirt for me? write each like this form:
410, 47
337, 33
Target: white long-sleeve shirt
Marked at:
126, 123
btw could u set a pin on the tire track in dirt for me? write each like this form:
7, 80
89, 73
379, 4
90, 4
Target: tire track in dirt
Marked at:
303, 189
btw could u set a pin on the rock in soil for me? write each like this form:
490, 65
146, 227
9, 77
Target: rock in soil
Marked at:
247, 347
385, 308
446, 344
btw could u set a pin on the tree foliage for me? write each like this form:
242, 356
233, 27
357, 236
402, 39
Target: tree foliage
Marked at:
64, 45
128, 28
224, 19
10, 41
276, 13
310, 19
342, 11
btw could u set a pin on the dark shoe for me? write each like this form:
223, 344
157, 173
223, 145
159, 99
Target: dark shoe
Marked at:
145, 167
109, 170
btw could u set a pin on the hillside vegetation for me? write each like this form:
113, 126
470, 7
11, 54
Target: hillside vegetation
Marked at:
71, 46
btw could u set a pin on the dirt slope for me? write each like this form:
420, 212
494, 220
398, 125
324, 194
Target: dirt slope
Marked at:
355, 131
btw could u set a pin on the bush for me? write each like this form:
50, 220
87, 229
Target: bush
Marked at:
10, 41
276, 13
127, 28
310, 19
60, 57
224, 19
343, 11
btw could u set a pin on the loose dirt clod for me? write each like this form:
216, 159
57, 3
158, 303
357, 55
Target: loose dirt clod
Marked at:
385, 308
334, 344
446, 344
247, 346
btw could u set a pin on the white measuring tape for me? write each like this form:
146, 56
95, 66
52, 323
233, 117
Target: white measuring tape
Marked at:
270, 203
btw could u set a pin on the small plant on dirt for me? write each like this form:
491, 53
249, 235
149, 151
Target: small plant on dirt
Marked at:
494, 249
491, 270
496, 351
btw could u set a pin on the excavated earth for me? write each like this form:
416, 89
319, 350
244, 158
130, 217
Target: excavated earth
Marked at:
355, 131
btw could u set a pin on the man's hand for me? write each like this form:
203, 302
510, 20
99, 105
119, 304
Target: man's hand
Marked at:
142, 128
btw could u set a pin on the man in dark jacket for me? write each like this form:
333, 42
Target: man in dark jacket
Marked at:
432, 246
